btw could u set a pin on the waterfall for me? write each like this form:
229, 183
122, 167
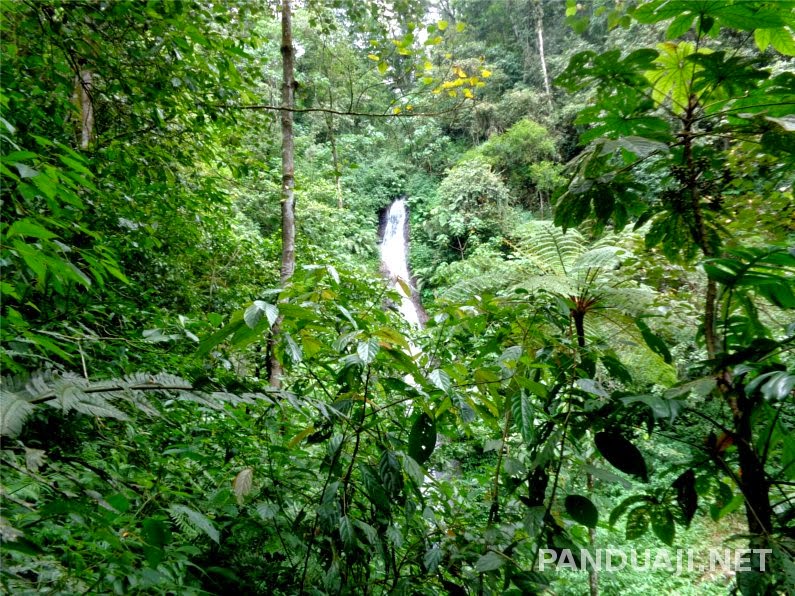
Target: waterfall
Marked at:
394, 259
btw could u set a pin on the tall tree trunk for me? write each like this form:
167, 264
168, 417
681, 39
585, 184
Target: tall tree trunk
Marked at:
288, 177
85, 105
288, 149
538, 10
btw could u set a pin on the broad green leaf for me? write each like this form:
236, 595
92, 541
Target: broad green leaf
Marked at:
29, 228
674, 74
523, 415
491, 561
258, 308
662, 523
621, 453
582, 510
422, 438
367, 350
679, 26
440, 379
622, 507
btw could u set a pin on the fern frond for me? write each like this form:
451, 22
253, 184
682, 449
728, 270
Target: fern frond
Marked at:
14, 411
187, 518
550, 248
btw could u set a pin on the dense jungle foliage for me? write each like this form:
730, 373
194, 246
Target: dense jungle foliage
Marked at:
602, 230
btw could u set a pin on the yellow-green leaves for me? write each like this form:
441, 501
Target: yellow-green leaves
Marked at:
674, 74
782, 39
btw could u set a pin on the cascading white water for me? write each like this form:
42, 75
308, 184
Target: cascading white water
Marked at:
394, 257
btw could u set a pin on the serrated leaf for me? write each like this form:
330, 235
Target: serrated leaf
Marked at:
622, 454
582, 510
28, 228
422, 438
25, 171
489, 562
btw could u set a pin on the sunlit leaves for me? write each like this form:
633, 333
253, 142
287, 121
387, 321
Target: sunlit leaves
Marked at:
254, 313
674, 74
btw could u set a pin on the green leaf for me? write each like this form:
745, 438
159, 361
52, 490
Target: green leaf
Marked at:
489, 562
367, 350
258, 308
654, 341
621, 453
622, 507
663, 526
29, 228
390, 473
674, 74
523, 415
686, 495
26, 171
582, 510
679, 26
440, 379
347, 532
637, 522
661, 407
422, 438
432, 558
382, 67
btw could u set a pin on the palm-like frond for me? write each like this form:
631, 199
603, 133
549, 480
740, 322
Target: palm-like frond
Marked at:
19, 397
